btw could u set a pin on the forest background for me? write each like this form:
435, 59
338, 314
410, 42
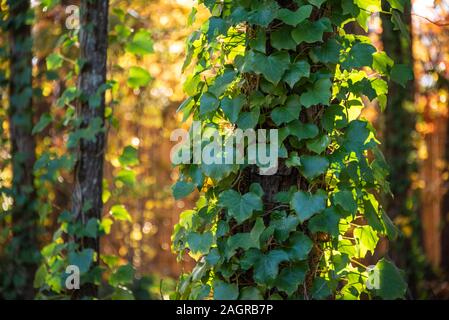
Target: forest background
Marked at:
145, 60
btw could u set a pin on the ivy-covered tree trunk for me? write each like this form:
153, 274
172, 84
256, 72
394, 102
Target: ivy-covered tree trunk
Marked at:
87, 195
302, 230
400, 152
24, 247
286, 176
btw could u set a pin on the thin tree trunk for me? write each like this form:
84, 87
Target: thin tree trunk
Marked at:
444, 85
445, 200
87, 197
24, 213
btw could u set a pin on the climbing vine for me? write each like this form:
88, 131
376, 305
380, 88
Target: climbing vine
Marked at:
310, 230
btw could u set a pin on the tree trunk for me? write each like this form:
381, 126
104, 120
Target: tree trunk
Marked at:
399, 127
87, 196
24, 213
445, 199
285, 177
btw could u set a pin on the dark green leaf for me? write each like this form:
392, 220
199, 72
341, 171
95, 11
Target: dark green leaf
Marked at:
306, 204
182, 189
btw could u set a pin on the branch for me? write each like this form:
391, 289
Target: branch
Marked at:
439, 23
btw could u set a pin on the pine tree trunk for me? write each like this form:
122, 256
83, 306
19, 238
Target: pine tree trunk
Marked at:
24, 213
87, 197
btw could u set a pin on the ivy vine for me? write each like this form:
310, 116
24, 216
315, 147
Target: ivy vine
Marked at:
293, 66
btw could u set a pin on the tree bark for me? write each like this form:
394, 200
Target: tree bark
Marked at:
87, 196
24, 247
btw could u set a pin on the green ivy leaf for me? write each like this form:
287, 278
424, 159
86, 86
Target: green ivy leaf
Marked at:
266, 268
272, 67
306, 204
281, 39
292, 277
345, 199
311, 32
246, 240
129, 157
320, 289
83, 260
40, 276
319, 144
319, 93
141, 44
200, 243
217, 26
401, 74
208, 103
263, 13
284, 226
232, 107
119, 212
222, 82
138, 77
122, 276
294, 18
303, 130
313, 166
250, 293
296, 72
360, 55
126, 176
44, 121
329, 52
334, 117
287, 113
240, 207
356, 136
91, 229
213, 257
299, 246
225, 291
391, 281
371, 213
382, 63
326, 221
259, 42
293, 160
182, 189
257, 189
250, 258
367, 239
54, 61
105, 225
248, 120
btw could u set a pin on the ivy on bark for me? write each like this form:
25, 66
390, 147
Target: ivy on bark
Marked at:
306, 231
